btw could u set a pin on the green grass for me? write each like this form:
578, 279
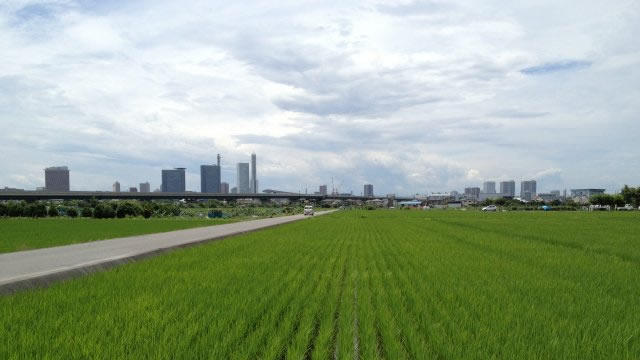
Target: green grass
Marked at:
18, 234
357, 284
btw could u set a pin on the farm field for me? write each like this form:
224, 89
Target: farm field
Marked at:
357, 284
17, 234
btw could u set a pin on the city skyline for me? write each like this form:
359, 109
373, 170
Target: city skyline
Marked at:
412, 97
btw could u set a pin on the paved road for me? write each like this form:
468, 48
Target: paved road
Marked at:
25, 269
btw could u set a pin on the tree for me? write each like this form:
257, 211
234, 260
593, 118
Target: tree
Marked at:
3, 209
104, 211
128, 208
86, 212
53, 211
35, 210
15, 209
72, 212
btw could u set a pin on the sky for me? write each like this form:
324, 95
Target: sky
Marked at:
410, 96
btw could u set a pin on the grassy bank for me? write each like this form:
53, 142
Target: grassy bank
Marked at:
357, 284
25, 234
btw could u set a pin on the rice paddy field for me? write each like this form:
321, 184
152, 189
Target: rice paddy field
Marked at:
17, 234
357, 285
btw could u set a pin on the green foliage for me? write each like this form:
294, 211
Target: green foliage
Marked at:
104, 211
35, 210
4, 211
128, 208
53, 211
356, 284
86, 212
72, 212
15, 208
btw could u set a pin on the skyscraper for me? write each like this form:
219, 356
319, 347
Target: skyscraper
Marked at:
489, 187
472, 193
145, 187
173, 180
322, 190
508, 188
254, 179
56, 178
528, 190
210, 178
368, 190
242, 178
116, 186
224, 188
133, 189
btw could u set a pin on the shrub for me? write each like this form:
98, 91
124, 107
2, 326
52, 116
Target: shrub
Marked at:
35, 210
72, 212
53, 211
86, 212
128, 208
15, 209
3, 209
104, 211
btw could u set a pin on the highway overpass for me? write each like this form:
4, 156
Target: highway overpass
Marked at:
108, 195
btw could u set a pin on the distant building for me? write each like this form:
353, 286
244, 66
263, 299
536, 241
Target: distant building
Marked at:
242, 178
368, 190
548, 197
528, 190
234, 190
508, 188
586, 192
455, 195
133, 189
555, 192
472, 193
322, 190
8, 189
56, 178
145, 187
254, 179
224, 188
116, 187
210, 178
173, 180
489, 187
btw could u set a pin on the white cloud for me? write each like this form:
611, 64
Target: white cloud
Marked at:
411, 96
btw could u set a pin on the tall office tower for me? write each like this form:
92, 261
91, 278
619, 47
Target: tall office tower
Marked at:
210, 178
368, 190
254, 179
242, 178
116, 187
489, 187
145, 187
133, 189
472, 193
528, 190
234, 190
173, 180
322, 190
508, 188
56, 178
224, 188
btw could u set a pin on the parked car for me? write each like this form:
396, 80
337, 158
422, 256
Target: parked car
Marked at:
490, 208
627, 207
308, 210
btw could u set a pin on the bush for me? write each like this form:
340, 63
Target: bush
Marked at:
72, 212
53, 211
128, 208
3, 209
15, 209
86, 212
147, 210
35, 210
104, 211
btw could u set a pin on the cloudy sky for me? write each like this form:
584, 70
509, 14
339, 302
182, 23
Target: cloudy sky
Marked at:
413, 96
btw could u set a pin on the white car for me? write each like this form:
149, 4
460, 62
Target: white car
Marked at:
627, 207
490, 208
308, 210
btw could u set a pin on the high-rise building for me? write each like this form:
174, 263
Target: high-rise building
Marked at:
133, 189
242, 178
145, 187
56, 178
224, 188
116, 186
489, 187
234, 190
210, 178
173, 180
508, 188
472, 193
254, 179
322, 190
528, 190
368, 190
